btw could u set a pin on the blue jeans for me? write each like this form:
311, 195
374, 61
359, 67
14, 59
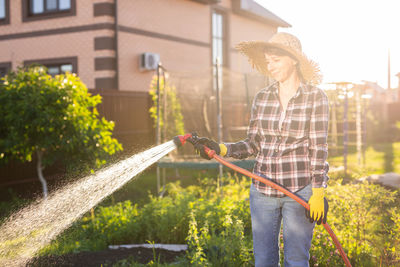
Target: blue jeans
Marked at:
266, 217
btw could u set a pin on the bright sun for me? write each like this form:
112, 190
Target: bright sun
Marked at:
349, 39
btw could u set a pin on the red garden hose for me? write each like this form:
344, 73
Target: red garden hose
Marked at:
180, 140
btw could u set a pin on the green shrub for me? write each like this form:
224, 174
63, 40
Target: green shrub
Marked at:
359, 215
225, 246
162, 220
393, 244
217, 227
52, 118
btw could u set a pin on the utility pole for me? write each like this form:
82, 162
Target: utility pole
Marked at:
385, 98
158, 131
358, 123
389, 85
345, 130
219, 113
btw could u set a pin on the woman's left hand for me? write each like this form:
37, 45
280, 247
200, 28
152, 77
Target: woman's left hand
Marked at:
318, 206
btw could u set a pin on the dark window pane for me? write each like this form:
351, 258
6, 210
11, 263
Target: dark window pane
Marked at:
3, 72
2, 9
51, 5
64, 4
66, 68
53, 70
37, 6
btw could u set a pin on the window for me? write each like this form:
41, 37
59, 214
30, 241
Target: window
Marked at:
5, 67
57, 65
4, 12
48, 6
2, 9
217, 38
59, 68
44, 9
218, 46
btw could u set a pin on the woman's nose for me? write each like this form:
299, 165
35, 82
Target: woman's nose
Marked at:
270, 66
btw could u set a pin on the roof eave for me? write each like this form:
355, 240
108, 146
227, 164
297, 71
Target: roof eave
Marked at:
252, 10
207, 2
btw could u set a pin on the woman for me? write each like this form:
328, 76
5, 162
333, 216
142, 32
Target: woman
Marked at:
288, 135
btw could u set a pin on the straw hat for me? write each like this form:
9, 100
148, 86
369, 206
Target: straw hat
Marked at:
255, 51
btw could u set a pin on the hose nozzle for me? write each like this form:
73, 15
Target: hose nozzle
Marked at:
180, 140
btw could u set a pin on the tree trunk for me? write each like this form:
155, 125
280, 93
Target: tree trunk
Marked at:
39, 169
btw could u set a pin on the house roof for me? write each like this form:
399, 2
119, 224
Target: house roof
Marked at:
374, 86
253, 10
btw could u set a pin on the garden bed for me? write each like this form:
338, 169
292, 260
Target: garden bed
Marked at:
107, 257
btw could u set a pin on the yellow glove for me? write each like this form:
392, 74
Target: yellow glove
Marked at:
318, 206
223, 149
220, 149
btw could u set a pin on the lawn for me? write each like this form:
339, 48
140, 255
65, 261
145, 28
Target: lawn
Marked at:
381, 158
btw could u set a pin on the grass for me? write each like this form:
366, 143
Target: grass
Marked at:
379, 159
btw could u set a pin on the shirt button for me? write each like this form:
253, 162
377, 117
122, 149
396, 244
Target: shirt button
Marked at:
276, 150
279, 138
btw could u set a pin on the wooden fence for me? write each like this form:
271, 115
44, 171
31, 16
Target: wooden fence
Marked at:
133, 128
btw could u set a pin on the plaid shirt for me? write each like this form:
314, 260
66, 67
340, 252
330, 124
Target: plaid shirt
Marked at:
295, 155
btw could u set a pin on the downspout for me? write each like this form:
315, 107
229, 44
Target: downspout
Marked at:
116, 43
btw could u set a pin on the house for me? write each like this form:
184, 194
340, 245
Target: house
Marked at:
104, 41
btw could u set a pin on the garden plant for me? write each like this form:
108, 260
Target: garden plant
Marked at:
216, 227
52, 118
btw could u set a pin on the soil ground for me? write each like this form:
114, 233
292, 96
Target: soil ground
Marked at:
106, 257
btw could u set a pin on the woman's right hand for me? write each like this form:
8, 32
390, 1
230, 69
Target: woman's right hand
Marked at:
220, 149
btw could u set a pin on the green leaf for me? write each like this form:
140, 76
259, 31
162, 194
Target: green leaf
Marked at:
56, 114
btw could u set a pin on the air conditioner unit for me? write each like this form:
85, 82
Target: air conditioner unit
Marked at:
149, 61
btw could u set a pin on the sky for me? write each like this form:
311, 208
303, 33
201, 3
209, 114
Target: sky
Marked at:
350, 39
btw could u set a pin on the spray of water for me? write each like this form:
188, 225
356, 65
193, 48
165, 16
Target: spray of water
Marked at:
33, 227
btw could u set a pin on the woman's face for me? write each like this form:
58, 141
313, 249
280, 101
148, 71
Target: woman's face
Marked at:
280, 67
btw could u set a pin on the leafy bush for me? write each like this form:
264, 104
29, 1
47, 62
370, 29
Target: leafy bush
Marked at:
394, 243
53, 115
162, 220
224, 246
360, 217
217, 228
52, 118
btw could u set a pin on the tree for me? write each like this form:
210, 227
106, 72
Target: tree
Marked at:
52, 118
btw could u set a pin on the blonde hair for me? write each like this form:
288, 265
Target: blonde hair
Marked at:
280, 52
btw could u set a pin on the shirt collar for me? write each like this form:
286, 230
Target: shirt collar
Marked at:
275, 86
